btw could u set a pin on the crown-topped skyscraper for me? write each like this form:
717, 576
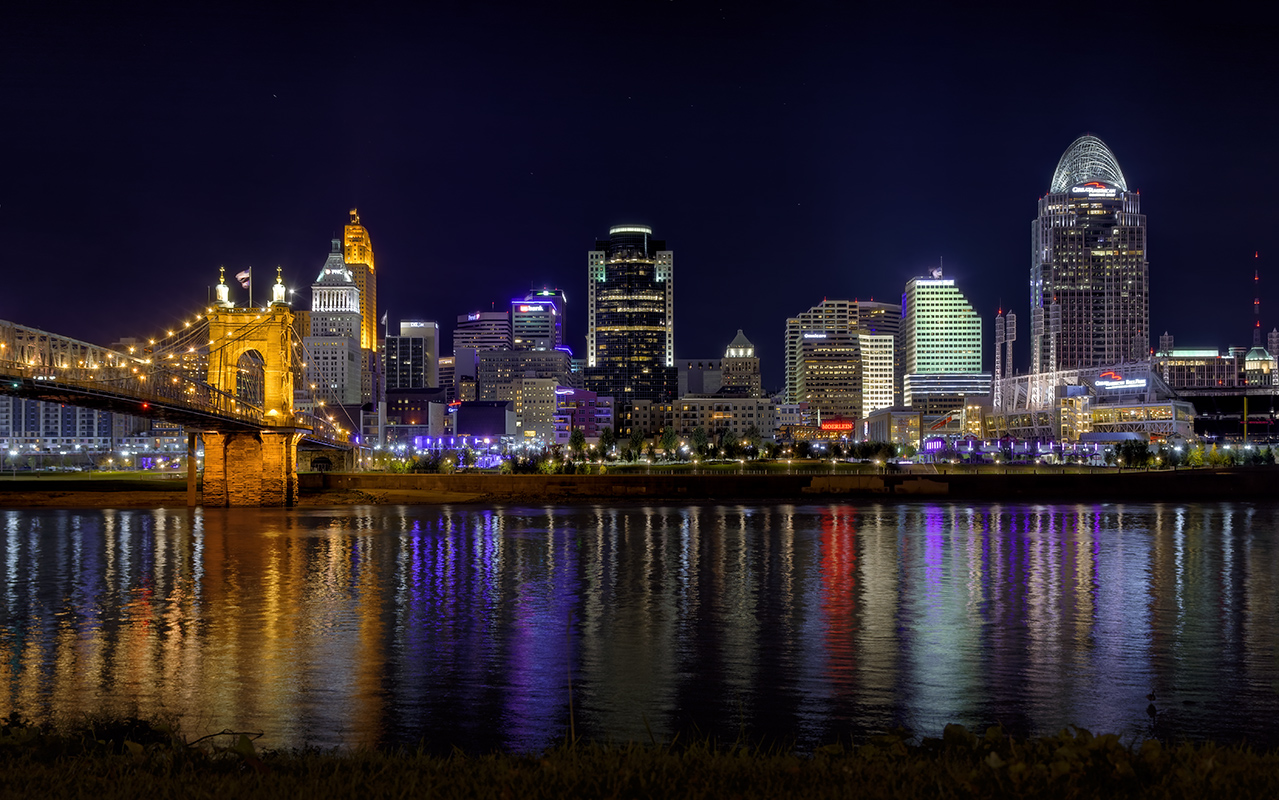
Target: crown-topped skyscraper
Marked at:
1089, 276
357, 251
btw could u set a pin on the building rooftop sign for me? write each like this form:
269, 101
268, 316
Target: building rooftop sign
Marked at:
1094, 189
1113, 380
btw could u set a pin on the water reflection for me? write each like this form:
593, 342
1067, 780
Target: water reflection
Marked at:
483, 627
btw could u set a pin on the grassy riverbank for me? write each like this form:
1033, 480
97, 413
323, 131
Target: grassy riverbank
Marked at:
126, 759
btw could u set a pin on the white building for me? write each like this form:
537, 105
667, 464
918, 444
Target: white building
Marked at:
333, 355
878, 356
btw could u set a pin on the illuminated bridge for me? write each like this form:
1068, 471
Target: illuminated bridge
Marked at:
227, 376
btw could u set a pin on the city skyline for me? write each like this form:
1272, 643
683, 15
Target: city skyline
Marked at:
792, 156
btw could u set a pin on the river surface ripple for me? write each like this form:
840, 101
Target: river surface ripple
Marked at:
498, 627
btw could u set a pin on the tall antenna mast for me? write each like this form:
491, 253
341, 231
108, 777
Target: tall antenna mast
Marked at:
1256, 304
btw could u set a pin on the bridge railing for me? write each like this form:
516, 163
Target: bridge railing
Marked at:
59, 362
41, 357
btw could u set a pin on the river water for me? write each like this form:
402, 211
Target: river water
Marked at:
501, 627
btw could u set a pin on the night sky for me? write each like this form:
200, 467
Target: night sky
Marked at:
785, 155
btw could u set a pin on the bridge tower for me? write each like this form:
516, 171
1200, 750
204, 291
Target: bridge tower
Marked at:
251, 357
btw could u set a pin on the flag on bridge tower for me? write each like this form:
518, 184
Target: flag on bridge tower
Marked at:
245, 278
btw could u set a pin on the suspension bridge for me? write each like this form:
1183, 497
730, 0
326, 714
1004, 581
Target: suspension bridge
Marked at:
227, 376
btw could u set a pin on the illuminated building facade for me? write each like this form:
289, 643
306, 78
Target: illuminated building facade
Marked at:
739, 370
830, 374
715, 414
534, 401
496, 369
357, 251
482, 330
537, 320
940, 330
411, 359
333, 354
1089, 274
582, 410
630, 338
834, 316
1090, 405
878, 355
941, 344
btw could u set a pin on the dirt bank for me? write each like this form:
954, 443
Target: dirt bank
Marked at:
169, 499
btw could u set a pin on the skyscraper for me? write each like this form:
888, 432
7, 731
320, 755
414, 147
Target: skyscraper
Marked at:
411, 359
482, 330
879, 354
537, 320
740, 367
940, 330
833, 317
630, 338
1089, 275
358, 253
941, 336
333, 351
830, 373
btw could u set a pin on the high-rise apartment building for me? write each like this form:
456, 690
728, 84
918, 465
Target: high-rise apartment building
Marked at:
1089, 275
537, 320
482, 330
411, 359
630, 338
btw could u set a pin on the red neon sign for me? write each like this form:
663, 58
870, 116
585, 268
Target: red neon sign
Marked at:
1110, 373
837, 425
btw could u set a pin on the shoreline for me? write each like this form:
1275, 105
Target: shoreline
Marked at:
133, 758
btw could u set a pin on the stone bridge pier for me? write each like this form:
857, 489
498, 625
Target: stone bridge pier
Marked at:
251, 468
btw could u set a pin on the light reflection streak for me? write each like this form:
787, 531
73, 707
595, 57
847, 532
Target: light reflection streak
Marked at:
463, 625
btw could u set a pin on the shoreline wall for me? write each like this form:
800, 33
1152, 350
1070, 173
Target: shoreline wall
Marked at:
1240, 483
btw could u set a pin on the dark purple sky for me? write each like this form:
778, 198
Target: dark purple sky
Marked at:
809, 151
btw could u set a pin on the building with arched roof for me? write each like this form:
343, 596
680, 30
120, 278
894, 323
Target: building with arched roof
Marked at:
1089, 274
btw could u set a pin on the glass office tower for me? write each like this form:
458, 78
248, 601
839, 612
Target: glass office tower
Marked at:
1089, 275
630, 338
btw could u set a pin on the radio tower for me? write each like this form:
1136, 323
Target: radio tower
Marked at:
1256, 304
